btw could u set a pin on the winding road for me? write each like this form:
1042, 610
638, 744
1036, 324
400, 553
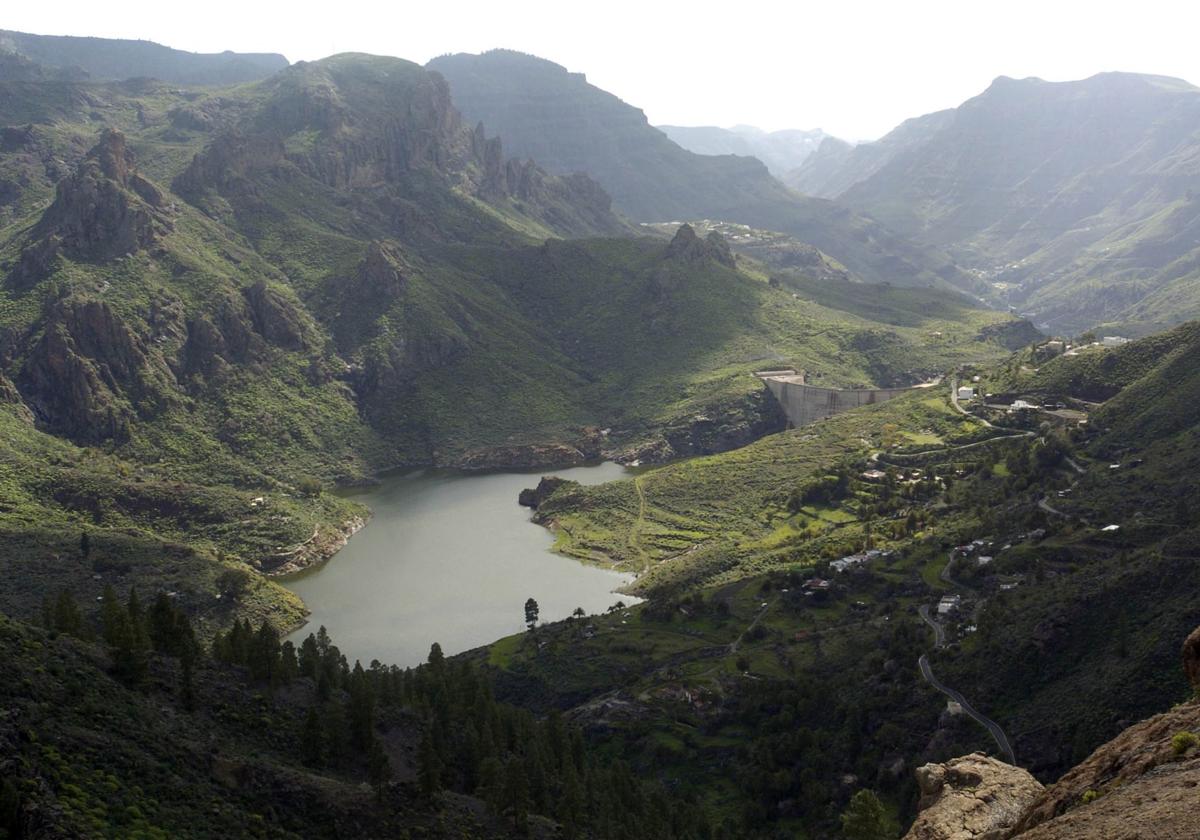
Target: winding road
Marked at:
939, 632
939, 641
992, 727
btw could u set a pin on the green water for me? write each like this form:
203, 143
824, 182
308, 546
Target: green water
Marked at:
448, 557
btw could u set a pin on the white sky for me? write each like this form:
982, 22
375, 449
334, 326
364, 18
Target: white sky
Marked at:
853, 67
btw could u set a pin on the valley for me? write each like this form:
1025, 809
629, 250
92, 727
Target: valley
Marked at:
432, 450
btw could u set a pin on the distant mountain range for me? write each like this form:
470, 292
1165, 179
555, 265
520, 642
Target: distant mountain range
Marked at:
111, 59
1078, 200
542, 111
782, 151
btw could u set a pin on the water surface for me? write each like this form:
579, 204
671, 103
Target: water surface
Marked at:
448, 557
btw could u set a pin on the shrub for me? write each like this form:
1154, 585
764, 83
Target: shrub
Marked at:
1183, 742
309, 486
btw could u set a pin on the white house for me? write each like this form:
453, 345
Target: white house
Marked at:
949, 604
966, 392
1114, 340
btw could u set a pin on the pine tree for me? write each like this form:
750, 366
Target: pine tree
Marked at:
310, 657
67, 617
531, 614
378, 768
85, 545
312, 748
865, 818
429, 767
516, 793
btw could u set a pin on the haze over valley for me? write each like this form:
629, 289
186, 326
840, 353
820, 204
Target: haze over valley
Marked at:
447, 442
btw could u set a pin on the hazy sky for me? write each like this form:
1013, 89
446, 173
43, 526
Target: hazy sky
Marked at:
854, 68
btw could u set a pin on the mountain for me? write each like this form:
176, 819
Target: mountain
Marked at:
542, 111
782, 151
250, 293
113, 59
1077, 200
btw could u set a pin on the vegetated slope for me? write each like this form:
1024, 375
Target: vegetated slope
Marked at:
128, 727
782, 151
1080, 197
1070, 629
556, 118
103, 59
245, 293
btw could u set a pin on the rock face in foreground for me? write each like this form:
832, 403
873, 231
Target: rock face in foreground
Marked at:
1142, 784
974, 797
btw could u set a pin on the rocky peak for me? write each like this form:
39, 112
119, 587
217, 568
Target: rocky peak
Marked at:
102, 210
689, 247
974, 797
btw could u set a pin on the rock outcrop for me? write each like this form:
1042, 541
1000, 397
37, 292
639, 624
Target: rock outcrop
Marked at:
533, 497
102, 210
89, 373
1141, 785
974, 797
689, 247
1139, 780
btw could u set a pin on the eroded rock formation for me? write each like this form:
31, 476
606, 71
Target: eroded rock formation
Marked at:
974, 797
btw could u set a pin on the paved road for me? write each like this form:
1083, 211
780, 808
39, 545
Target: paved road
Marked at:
992, 727
939, 632
959, 408
939, 642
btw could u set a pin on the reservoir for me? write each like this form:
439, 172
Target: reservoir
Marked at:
448, 557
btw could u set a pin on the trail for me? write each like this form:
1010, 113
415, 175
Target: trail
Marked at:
635, 530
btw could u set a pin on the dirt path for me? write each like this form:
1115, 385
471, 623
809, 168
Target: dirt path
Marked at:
635, 530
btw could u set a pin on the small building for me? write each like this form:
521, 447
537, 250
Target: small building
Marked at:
1114, 340
1021, 405
1111, 529
966, 392
816, 585
983, 560
849, 562
949, 604
874, 475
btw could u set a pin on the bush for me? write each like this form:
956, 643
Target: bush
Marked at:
1183, 742
309, 486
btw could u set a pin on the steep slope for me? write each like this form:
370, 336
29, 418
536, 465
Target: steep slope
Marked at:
113, 59
555, 117
782, 151
1078, 198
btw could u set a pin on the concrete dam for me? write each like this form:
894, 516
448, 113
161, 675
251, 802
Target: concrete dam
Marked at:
804, 404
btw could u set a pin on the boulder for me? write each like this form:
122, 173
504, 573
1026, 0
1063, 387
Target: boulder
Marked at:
974, 797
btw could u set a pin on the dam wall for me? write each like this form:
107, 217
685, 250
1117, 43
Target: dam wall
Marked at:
804, 404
